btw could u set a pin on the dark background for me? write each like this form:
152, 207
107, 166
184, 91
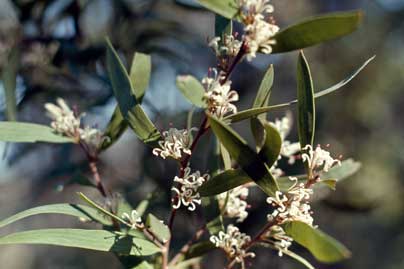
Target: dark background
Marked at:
62, 50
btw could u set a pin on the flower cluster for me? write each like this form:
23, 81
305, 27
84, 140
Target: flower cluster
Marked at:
134, 219
279, 239
175, 144
187, 193
234, 243
259, 26
292, 206
219, 96
66, 122
318, 158
229, 46
235, 203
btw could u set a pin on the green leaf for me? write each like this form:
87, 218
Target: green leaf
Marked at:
317, 30
140, 73
9, 79
245, 156
223, 182
115, 128
128, 105
79, 211
100, 240
192, 90
223, 26
23, 132
199, 249
253, 112
143, 265
271, 149
158, 228
264, 91
225, 8
323, 247
305, 102
258, 131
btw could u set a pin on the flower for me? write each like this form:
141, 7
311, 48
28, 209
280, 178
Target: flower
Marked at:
292, 206
92, 136
234, 201
279, 239
233, 242
318, 158
134, 219
64, 122
230, 46
175, 143
218, 96
259, 27
188, 190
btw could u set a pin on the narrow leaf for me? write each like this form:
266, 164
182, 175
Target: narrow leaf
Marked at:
272, 147
128, 105
298, 258
347, 168
79, 211
158, 228
264, 91
253, 112
305, 102
317, 30
115, 128
211, 211
23, 132
100, 240
245, 156
223, 26
223, 182
323, 247
225, 8
199, 249
192, 90
140, 73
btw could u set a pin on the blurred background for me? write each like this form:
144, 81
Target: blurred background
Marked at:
61, 47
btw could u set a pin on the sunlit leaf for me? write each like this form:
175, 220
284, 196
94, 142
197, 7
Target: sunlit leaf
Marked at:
158, 228
249, 161
264, 91
323, 247
100, 240
305, 102
317, 30
347, 168
192, 90
140, 73
80, 211
24, 132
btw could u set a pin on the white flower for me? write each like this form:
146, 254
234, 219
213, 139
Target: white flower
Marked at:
134, 219
292, 206
175, 143
318, 158
233, 242
64, 121
218, 97
235, 203
230, 46
259, 37
259, 28
188, 190
279, 239
91, 136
